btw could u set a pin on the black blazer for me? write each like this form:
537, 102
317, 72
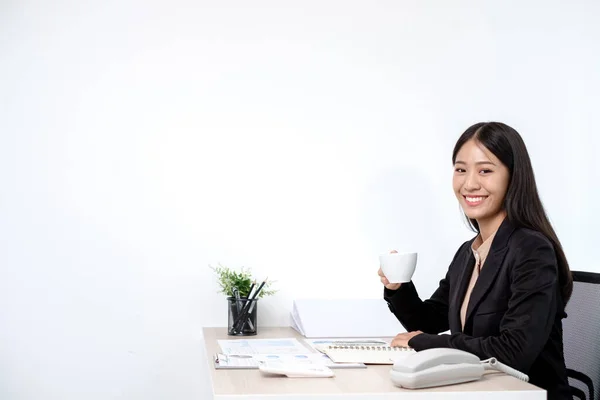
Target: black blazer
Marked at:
514, 313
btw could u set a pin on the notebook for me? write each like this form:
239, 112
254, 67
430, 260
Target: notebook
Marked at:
365, 353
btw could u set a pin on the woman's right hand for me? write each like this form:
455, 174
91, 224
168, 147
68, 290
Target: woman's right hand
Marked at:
384, 280
386, 283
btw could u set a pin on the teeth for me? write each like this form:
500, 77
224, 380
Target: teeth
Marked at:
474, 199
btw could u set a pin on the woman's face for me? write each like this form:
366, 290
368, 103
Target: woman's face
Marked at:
480, 182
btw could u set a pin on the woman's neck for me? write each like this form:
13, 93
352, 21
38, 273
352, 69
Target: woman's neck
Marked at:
489, 226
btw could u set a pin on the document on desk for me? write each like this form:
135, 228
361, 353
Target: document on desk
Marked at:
315, 318
262, 346
233, 361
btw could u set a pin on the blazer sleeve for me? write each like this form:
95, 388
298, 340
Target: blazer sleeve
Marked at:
430, 316
525, 327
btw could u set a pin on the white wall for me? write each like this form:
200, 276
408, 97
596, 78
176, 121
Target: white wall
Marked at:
142, 141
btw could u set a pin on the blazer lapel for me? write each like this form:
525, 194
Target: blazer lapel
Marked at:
486, 278
468, 262
491, 266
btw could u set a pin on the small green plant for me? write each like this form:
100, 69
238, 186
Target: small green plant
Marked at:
229, 279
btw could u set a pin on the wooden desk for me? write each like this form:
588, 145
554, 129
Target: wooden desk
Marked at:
356, 384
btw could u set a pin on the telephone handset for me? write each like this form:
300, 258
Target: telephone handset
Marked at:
442, 366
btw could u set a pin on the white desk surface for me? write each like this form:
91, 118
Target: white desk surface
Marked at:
356, 384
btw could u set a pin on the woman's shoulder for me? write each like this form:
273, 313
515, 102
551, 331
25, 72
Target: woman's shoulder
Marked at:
526, 245
525, 237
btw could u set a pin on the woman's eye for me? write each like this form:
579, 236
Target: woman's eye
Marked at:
459, 170
486, 171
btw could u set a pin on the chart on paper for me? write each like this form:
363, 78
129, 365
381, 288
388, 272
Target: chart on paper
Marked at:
223, 361
262, 346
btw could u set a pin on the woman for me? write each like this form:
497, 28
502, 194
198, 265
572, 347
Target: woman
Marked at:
505, 291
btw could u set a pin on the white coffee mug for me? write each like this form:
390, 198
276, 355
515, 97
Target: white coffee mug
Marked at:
398, 267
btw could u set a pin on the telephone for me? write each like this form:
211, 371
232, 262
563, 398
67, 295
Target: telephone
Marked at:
442, 366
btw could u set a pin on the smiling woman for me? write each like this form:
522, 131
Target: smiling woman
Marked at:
480, 183
505, 291
521, 202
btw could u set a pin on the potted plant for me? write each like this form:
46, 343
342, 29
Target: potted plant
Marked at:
243, 292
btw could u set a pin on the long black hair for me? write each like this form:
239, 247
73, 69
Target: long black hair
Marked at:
522, 202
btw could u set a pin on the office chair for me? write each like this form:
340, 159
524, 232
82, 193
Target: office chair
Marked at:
581, 336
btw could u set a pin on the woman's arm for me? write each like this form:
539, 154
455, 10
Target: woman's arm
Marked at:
526, 325
429, 316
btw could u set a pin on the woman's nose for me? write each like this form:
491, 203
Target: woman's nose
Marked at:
472, 182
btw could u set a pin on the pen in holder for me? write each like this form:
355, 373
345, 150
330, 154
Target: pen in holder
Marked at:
241, 319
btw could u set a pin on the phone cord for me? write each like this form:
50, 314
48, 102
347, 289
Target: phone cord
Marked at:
493, 363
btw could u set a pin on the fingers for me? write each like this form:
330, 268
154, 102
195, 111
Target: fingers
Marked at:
382, 277
401, 340
398, 341
386, 282
393, 251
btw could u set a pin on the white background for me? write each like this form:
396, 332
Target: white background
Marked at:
142, 141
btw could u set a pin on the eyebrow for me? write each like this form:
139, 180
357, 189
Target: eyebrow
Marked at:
477, 163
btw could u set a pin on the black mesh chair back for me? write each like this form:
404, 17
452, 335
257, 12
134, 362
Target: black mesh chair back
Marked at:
581, 336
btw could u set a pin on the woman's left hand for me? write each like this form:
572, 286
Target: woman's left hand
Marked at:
401, 339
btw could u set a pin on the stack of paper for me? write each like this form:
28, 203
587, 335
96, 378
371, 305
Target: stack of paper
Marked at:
344, 318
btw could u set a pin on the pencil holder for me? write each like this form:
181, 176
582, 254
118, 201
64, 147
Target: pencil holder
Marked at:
241, 320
